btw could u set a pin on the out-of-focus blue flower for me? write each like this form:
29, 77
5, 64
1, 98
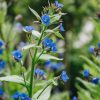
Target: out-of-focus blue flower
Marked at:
45, 19
1, 92
39, 72
18, 27
74, 98
61, 27
91, 49
95, 80
1, 43
2, 64
47, 63
17, 55
58, 5
49, 44
64, 76
53, 47
24, 96
16, 96
86, 73
53, 65
1, 51
28, 28
99, 44
56, 66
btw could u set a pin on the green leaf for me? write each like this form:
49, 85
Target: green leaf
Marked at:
84, 94
59, 35
36, 34
48, 57
14, 79
94, 68
45, 94
35, 13
55, 18
30, 46
3, 11
55, 32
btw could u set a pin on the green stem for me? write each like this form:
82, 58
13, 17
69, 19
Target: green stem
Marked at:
39, 56
33, 65
24, 78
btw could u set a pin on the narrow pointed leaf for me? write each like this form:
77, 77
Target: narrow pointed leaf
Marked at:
55, 32
55, 18
30, 46
48, 57
36, 34
35, 13
45, 94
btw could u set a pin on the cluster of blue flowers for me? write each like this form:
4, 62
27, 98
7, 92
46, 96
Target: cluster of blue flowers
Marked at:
20, 96
87, 74
49, 45
39, 73
17, 54
53, 65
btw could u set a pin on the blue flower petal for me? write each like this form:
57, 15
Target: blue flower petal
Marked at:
17, 55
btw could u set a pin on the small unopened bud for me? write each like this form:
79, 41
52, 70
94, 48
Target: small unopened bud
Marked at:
19, 17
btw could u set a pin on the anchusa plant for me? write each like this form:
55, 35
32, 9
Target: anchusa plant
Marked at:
41, 47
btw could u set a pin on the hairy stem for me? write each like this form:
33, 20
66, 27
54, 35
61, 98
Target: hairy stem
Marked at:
33, 65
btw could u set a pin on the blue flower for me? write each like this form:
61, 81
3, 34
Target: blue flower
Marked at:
95, 80
53, 65
45, 19
39, 72
17, 55
56, 66
2, 64
1, 51
91, 49
1, 43
74, 98
64, 76
1, 92
16, 96
49, 45
58, 5
99, 44
24, 96
86, 73
61, 27
54, 47
28, 28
